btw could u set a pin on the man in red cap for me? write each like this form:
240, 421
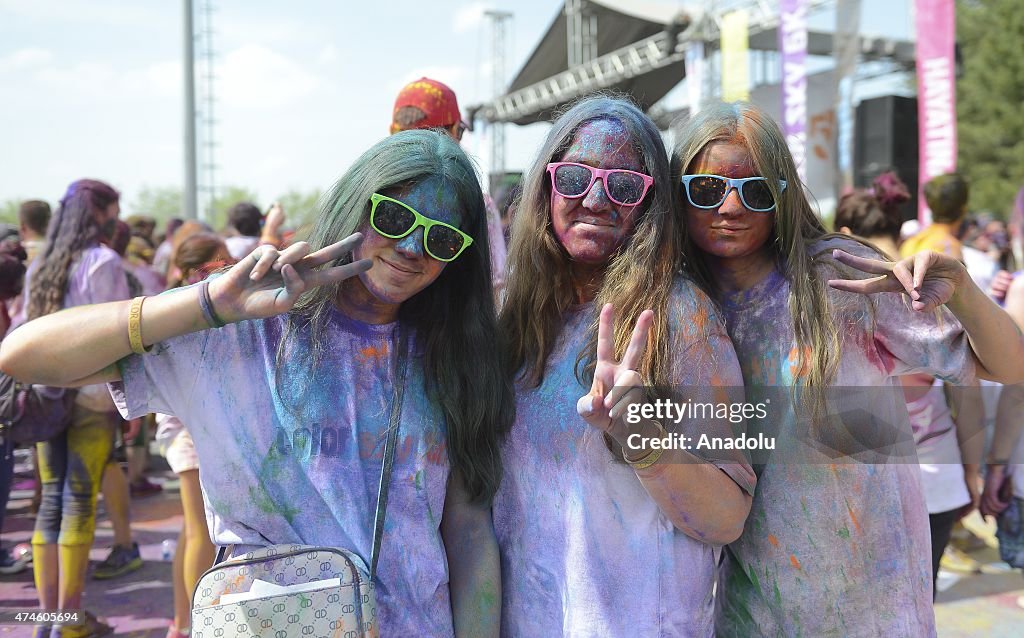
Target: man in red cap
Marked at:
427, 103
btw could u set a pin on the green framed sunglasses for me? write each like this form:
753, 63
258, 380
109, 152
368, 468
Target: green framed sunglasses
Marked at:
394, 219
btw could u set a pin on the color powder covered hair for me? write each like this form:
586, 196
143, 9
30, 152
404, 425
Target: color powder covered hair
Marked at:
875, 212
454, 317
796, 227
72, 230
638, 277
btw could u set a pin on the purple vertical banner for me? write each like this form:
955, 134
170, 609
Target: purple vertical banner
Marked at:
936, 93
793, 45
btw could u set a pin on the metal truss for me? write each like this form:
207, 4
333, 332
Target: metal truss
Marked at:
657, 51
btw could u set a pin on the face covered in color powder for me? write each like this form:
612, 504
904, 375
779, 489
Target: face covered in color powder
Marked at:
401, 268
731, 230
592, 228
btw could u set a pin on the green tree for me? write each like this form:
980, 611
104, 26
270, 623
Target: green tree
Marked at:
228, 197
158, 202
989, 95
300, 208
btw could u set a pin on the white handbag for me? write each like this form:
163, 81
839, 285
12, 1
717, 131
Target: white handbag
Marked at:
300, 590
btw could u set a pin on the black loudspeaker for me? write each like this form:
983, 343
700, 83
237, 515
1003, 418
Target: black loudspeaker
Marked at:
885, 138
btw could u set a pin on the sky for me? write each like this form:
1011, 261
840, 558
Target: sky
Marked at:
94, 89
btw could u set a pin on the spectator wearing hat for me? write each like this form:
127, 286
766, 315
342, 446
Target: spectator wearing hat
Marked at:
428, 103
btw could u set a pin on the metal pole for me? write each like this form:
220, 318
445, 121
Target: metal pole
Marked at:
189, 202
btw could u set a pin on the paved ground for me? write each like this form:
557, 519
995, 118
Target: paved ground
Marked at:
139, 604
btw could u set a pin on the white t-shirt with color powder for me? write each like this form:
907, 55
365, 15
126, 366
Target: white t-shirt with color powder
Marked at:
287, 455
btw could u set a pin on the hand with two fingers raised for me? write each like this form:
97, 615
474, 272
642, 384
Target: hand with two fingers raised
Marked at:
617, 385
930, 279
269, 282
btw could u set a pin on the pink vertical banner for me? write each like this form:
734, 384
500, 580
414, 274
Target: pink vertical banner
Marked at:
793, 45
936, 93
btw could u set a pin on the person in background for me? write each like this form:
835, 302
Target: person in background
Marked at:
981, 262
143, 227
429, 104
33, 219
1003, 496
947, 198
12, 277
162, 256
181, 233
874, 214
196, 258
75, 268
245, 222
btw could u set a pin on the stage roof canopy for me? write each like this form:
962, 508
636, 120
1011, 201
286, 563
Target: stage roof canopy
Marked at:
640, 51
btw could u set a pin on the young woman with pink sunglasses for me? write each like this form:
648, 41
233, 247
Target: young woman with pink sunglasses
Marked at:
600, 534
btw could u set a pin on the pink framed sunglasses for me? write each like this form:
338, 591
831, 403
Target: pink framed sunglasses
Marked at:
625, 188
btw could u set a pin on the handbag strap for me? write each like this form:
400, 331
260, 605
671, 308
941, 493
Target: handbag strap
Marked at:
401, 361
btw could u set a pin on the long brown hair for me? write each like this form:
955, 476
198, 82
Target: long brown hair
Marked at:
640, 276
73, 228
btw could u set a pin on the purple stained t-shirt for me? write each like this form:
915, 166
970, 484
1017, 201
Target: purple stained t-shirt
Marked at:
287, 456
832, 546
585, 551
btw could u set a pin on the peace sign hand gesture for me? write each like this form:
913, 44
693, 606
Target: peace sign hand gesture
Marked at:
269, 282
930, 279
617, 385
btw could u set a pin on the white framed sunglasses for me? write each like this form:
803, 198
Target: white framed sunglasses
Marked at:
707, 191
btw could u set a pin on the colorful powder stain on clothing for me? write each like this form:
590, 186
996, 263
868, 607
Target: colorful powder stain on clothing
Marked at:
300, 453
582, 542
871, 574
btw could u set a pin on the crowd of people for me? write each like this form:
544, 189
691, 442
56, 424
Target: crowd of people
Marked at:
523, 501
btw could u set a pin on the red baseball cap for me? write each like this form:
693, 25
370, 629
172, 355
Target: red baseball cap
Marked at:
435, 99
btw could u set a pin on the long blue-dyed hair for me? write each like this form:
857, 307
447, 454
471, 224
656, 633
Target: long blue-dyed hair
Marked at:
453, 318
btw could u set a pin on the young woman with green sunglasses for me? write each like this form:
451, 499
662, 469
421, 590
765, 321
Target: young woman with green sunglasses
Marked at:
289, 403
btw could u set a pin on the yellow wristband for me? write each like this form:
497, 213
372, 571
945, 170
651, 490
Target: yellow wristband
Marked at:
649, 459
135, 326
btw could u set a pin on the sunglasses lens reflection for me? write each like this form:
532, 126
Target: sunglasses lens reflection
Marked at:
625, 188
706, 190
758, 196
392, 219
572, 181
444, 243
